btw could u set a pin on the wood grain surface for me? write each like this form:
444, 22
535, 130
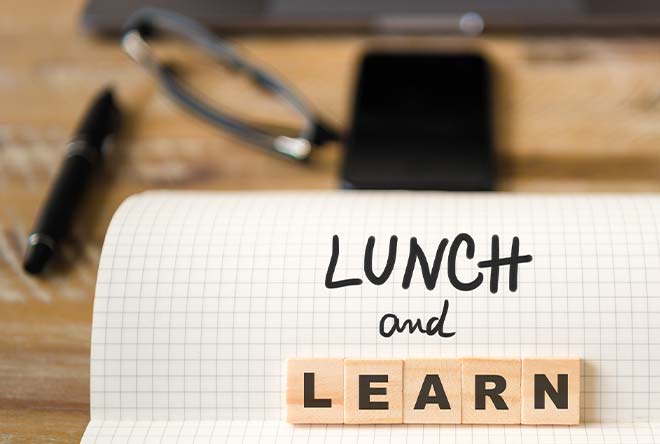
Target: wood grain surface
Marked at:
573, 113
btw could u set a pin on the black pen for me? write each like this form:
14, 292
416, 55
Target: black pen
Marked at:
84, 154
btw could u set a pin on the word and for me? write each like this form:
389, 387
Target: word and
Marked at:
430, 274
390, 324
433, 391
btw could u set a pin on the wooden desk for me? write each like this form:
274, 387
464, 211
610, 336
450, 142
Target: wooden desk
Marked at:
572, 114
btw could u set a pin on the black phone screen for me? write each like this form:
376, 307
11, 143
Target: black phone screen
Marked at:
421, 121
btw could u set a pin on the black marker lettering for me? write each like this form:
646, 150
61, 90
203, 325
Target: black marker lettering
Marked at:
417, 254
434, 325
329, 283
430, 274
368, 261
496, 262
451, 263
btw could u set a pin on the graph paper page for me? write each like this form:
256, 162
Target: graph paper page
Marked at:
201, 298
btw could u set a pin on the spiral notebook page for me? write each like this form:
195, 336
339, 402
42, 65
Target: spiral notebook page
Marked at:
201, 298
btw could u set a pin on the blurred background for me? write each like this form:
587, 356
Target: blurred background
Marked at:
573, 105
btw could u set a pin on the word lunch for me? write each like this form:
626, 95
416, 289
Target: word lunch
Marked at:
433, 391
462, 245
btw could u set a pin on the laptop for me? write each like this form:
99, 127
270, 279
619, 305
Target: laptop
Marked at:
454, 16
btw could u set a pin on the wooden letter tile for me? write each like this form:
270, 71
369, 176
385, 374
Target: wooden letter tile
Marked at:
315, 391
491, 391
551, 391
373, 391
432, 391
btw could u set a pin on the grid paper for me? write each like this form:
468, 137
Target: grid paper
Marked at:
201, 297
206, 432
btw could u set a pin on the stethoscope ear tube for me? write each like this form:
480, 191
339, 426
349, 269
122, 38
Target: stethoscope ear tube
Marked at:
148, 22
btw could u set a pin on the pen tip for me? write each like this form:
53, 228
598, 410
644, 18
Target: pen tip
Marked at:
36, 257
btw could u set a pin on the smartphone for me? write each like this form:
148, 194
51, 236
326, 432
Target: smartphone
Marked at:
421, 121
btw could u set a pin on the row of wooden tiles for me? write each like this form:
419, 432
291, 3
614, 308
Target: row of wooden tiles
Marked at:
433, 391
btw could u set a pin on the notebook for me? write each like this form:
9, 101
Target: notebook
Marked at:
201, 298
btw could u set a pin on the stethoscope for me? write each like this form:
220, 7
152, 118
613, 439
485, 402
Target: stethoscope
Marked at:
148, 22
